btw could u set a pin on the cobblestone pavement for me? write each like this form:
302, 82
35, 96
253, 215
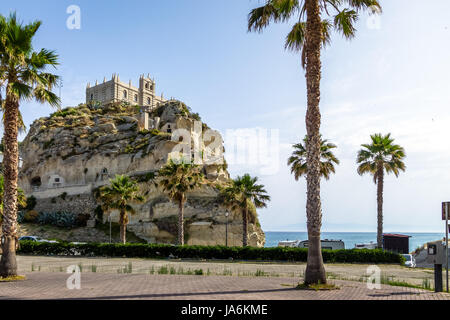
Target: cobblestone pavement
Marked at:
105, 286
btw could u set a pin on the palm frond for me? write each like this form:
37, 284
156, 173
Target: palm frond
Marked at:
296, 37
298, 159
344, 22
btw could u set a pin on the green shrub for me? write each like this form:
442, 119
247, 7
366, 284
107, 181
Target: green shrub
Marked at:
98, 212
30, 216
31, 202
196, 116
59, 219
141, 250
198, 272
65, 112
20, 216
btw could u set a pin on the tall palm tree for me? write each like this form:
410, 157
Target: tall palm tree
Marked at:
242, 193
298, 159
376, 158
21, 198
118, 196
177, 179
24, 76
315, 20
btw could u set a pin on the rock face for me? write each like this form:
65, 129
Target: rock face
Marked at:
69, 155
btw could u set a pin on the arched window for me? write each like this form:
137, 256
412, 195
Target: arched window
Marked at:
149, 101
92, 96
146, 85
124, 94
135, 98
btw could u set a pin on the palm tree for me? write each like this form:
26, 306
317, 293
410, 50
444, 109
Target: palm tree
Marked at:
117, 196
309, 34
21, 198
177, 179
298, 159
243, 193
375, 158
23, 75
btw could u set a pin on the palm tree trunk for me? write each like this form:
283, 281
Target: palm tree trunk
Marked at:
123, 227
315, 271
8, 263
245, 227
380, 183
181, 222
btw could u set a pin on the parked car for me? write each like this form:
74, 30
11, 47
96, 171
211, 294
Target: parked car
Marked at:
410, 260
37, 239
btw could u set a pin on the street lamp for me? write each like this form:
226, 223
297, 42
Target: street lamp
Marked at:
109, 218
226, 229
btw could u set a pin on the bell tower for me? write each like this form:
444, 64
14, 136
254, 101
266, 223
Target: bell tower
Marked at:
146, 91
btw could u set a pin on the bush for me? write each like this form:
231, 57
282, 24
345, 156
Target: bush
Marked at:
20, 216
139, 250
59, 219
31, 202
30, 216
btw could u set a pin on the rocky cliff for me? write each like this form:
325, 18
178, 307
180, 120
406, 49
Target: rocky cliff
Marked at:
70, 154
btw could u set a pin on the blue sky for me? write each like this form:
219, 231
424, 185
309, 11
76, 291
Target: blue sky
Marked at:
393, 78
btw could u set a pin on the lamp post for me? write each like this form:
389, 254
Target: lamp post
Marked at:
109, 218
226, 229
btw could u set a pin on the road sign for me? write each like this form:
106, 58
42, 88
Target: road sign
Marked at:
444, 204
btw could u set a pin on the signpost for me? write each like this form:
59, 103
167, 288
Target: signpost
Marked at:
445, 214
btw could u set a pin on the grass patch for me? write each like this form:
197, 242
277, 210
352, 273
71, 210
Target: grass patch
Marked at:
260, 273
227, 272
198, 272
12, 278
426, 284
163, 270
391, 281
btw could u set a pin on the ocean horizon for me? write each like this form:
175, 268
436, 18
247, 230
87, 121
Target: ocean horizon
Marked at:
351, 238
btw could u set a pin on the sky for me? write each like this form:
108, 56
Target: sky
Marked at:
392, 78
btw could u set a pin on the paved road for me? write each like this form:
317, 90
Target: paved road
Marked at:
46, 285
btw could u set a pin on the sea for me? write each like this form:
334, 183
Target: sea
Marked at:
350, 238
